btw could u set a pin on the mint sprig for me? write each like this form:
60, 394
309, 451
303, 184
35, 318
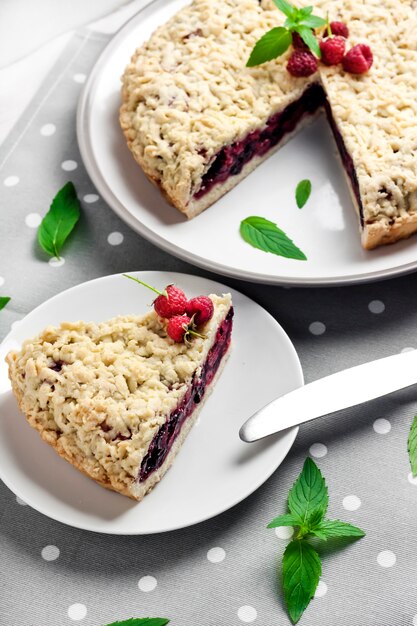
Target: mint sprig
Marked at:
3, 301
412, 446
277, 40
302, 192
301, 565
60, 220
265, 235
142, 621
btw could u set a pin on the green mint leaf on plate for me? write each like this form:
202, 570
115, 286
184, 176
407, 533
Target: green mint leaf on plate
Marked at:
301, 571
265, 235
3, 301
304, 12
61, 218
142, 621
335, 528
285, 7
412, 446
284, 520
302, 192
270, 46
309, 493
309, 39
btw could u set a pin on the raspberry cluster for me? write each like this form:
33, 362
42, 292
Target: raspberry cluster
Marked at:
184, 316
357, 60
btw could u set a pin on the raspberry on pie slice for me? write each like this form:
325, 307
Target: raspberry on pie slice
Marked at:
117, 399
197, 120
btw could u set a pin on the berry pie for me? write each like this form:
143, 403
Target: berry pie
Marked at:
198, 121
117, 399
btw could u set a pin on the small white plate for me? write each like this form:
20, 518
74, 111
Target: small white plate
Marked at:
213, 471
326, 229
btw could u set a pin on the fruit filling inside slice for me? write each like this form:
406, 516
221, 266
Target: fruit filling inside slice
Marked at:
169, 431
231, 159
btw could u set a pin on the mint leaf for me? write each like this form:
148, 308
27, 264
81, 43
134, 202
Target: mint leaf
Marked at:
312, 21
284, 520
412, 446
302, 192
61, 218
285, 7
335, 528
301, 570
304, 12
3, 301
142, 621
270, 46
309, 39
265, 235
309, 493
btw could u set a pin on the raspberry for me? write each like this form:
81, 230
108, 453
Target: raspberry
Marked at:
332, 50
358, 60
201, 308
178, 327
302, 63
298, 43
339, 29
172, 304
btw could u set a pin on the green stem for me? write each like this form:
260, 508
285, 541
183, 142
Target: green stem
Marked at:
160, 293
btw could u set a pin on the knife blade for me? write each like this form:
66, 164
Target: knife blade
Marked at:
332, 393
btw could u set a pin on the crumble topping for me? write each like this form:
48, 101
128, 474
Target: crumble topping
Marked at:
101, 391
187, 93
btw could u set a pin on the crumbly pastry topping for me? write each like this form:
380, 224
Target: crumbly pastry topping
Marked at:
187, 93
377, 113
103, 390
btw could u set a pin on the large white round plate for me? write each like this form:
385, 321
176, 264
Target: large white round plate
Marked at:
213, 471
325, 229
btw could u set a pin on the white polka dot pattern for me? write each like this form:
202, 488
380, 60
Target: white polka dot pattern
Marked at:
351, 503
115, 239
47, 130
33, 220
90, 198
77, 611
69, 166
216, 555
11, 181
50, 553
147, 583
382, 426
284, 532
317, 328
318, 450
376, 306
321, 589
412, 479
55, 262
247, 614
386, 558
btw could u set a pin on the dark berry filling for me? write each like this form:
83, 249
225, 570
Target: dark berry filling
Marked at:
165, 437
346, 159
57, 366
231, 159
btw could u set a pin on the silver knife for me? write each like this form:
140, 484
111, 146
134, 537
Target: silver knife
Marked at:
333, 393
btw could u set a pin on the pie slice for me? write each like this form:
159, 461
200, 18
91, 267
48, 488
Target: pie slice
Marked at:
197, 120
117, 399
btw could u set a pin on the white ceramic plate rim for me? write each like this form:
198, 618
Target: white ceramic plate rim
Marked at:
298, 374
87, 153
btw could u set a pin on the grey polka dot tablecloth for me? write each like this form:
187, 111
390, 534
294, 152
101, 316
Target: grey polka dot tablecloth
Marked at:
222, 572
